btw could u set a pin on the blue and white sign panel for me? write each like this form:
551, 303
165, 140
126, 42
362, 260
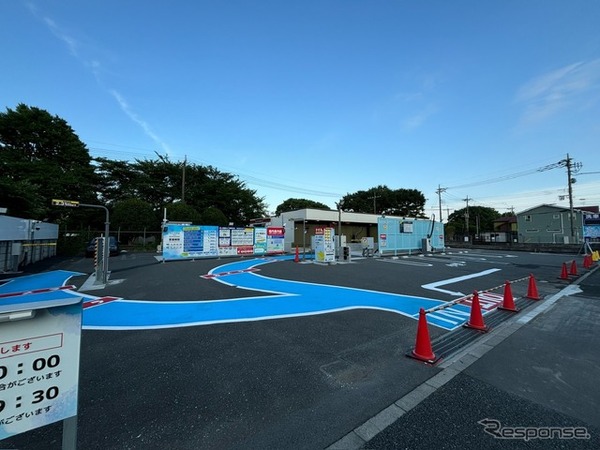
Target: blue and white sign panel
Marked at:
190, 241
39, 361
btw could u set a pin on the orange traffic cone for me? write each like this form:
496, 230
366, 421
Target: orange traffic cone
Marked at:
423, 350
532, 292
564, 275
476, 318
587, 262
508, 303
297, 257
573, 270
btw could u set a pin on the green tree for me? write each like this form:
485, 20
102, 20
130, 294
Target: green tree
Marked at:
160, 182
180, 212
134, 214
480, 218
207, 187
383, 200
292, 204
42, 158
214, 216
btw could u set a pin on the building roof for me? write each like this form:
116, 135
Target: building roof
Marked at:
546, 205
506, 219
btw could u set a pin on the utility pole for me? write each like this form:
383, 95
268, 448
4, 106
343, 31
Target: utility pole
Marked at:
467, 216
571, 168
375, 197
570, 181
183, 180
439, 193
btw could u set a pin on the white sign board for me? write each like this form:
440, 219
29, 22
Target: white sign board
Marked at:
324, 245
39, 363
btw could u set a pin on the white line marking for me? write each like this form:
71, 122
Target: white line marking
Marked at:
434, 286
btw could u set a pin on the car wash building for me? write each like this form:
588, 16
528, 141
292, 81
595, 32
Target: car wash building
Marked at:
384, 235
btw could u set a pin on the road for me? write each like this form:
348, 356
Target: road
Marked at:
268, 376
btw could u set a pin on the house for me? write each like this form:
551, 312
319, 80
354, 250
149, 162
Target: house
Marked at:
550, 224
505, 230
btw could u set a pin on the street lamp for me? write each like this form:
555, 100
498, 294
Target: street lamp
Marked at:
303, 219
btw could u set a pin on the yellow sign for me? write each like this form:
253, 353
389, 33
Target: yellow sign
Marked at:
68, 203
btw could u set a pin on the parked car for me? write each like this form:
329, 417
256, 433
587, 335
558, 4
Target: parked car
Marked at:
113, 247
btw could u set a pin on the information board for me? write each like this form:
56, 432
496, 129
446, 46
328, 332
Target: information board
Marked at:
324, 245
260, 241
275, 240
236, 241
184, 241
190, 241
39, 365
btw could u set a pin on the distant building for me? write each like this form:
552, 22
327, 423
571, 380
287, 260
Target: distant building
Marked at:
549, 224
301, 226
505, 230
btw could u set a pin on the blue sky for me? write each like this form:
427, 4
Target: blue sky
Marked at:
320, 98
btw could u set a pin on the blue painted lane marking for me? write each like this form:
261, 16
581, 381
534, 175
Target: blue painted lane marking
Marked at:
55, 278
290, 299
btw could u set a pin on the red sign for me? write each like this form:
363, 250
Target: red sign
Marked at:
383, 236
275, 231
245, 250
319, 230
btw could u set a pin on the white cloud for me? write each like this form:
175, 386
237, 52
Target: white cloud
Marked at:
417, 119
556, 91
142, 123
70, 42
94, 65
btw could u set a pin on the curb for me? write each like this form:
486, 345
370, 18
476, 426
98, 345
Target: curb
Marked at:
454, 365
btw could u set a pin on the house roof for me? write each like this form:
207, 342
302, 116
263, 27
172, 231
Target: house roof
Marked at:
507, 219
582, 209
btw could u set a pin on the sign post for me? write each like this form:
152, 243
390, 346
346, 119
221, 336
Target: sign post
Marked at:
106, 255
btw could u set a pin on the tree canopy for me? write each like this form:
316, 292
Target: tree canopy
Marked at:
292, 204
41, 158
383, 200
160, 182
481, 218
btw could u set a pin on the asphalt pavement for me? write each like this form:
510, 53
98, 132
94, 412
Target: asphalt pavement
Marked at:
340, 379
532, 383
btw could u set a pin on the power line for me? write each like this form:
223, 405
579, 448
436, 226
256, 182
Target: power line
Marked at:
249, 179
524, 173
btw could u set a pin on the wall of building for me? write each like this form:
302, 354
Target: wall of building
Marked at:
547, 224
25, 241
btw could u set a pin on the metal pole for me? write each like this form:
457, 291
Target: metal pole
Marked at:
467, 218
69, 438
303, 238
106, 248
339, 239
106, 241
